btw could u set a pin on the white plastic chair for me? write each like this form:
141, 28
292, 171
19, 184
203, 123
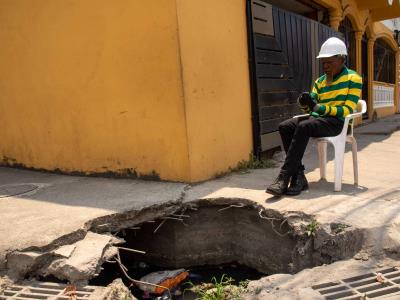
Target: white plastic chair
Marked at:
339, 143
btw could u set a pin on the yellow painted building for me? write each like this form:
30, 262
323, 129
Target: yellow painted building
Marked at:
141, 88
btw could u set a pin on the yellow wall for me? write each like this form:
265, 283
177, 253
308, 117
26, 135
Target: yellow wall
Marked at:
381, 112
214, 51
92, 86
96, 86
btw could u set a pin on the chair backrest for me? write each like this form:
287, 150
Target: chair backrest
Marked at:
362, 108
363, 105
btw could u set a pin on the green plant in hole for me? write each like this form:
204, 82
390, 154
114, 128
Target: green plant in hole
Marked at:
219, 290
311, 228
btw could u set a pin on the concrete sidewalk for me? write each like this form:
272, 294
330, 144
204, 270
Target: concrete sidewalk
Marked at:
38, 209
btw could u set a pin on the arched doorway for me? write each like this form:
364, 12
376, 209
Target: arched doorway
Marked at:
384, 74
346, 28
384, 63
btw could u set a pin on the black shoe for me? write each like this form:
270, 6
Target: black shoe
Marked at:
280, 185
298, 184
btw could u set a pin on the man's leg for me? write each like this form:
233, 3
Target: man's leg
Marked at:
287, 129
305, 129
313, 127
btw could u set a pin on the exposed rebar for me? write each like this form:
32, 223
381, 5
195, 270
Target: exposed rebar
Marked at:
131, 250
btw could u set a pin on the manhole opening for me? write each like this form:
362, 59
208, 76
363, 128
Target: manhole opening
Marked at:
211, 241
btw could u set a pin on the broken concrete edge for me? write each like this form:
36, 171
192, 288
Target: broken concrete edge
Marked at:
20, 263
57, 258
75, 263
297, 220
77, 235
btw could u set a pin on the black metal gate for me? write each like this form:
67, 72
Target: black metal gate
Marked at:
282, 51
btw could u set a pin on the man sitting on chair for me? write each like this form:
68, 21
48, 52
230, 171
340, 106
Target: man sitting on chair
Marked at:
334, 96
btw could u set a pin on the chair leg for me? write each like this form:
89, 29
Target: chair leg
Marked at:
322, 158
339, 159
355, 162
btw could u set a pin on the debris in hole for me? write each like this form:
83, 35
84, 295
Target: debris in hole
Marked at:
361, 256
162, 280
134, 281
117, 290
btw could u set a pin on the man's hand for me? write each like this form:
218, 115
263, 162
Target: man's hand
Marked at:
305, 99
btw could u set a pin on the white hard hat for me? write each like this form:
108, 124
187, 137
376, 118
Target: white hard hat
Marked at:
332, 46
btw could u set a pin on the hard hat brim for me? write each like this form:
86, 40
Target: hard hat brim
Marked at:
326, 55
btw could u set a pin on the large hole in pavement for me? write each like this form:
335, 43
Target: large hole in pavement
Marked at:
206, 238
239, 241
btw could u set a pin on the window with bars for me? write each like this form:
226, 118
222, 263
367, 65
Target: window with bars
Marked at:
384, 62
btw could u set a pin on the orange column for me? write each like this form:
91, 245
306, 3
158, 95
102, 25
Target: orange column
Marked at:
358, 37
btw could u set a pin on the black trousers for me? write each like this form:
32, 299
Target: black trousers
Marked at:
295, 134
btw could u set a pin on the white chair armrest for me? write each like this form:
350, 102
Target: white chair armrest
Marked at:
301, 116
351, 116
354, 115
